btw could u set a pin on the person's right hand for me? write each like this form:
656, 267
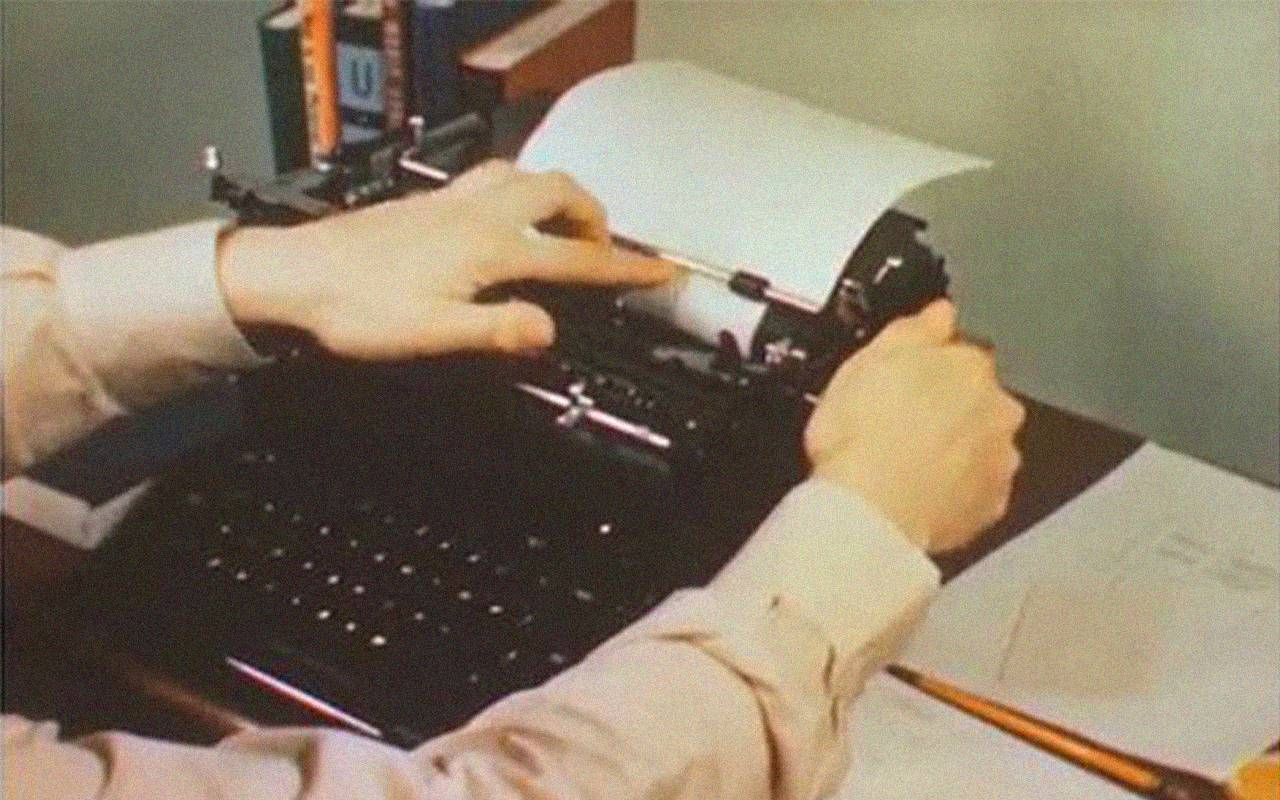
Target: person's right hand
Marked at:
918, 426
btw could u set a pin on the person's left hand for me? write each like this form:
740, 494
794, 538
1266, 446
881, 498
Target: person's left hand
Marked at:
398, 280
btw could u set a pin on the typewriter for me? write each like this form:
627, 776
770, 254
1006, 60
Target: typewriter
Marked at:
391, 548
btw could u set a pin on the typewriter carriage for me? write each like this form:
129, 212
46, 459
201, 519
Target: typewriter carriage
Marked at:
891, 273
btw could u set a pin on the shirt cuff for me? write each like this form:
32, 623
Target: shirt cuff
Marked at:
150, 312
833, 560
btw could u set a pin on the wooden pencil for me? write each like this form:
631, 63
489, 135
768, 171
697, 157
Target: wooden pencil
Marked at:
1138, 775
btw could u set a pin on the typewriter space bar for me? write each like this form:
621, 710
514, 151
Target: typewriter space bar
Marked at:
577, 406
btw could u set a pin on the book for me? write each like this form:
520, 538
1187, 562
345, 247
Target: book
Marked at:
278, 41
441, 31
362, 71
370, 57
548, 52
317, 45
395, 53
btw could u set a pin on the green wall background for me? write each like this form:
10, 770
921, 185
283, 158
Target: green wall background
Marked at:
1123, 253
107, 105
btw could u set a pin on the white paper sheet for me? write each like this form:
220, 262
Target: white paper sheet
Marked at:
730, 174
700, 305
1145, 614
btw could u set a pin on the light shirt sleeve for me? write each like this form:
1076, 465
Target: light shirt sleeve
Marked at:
93, 332
735, 690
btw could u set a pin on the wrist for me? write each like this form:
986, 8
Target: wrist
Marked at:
882, 491
832, 557
260, 282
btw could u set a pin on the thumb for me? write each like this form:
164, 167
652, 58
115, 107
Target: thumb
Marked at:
509, 327
935, 324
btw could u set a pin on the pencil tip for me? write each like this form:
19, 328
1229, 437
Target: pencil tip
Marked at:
902, 673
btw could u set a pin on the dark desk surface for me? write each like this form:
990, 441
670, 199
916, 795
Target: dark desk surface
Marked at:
1063, 455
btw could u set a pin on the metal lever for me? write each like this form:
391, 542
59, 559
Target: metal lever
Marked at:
578, 406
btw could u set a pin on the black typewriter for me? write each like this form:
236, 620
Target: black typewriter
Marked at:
391, 548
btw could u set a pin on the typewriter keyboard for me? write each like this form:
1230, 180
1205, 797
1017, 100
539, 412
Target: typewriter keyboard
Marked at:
455, 598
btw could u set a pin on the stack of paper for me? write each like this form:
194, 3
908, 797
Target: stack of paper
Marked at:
1145, 614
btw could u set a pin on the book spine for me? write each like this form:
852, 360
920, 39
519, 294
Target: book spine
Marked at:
434, 75
282, 77
318, 50
394, 53
361, 73
442, 29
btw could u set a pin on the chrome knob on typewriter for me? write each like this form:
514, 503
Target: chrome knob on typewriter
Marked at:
579, 405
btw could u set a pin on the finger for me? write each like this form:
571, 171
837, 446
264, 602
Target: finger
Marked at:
491, 173
1005, 461
509, 327
935, 324
1012, 412
1012, 464
553, 196
975, 340
559, 260
977, 361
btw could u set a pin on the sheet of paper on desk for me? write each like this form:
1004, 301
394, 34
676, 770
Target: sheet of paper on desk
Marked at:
1145, 614
730, 174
